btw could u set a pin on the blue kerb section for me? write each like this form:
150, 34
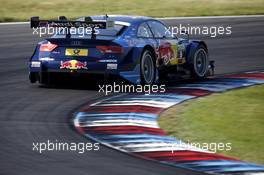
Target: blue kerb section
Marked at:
219, 166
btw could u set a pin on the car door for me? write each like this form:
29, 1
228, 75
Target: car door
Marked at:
169, 51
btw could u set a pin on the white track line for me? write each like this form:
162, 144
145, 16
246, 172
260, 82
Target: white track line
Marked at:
13, 23
212, 17
170, 18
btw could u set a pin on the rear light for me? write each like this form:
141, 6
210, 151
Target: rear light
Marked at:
48, 47
110, 49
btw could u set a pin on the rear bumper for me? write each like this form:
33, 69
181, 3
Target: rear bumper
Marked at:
109, 70
91, 67
69, 78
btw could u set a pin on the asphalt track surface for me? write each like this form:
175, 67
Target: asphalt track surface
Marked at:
30, 113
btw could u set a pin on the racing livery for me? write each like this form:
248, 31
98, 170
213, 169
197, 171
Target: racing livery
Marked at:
138, 49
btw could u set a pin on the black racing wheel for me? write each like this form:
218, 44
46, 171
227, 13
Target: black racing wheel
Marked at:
200, 62
147, 68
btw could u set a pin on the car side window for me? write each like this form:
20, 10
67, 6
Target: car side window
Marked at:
144, 31
159, 30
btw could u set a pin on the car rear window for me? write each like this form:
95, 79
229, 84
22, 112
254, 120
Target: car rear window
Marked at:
111, 31
82, 33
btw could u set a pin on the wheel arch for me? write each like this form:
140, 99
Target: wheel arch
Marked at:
151, 49
191, 48
194, 46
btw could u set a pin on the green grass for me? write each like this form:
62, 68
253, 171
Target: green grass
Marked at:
17, 10
236, 117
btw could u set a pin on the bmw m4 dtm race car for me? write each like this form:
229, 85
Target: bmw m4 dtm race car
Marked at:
138, 49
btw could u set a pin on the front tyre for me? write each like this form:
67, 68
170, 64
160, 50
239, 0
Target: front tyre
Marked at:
147, 68
200, 62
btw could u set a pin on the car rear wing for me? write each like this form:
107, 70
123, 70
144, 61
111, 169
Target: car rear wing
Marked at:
62, 22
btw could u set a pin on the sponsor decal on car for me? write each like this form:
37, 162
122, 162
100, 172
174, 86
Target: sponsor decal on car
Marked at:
171, 53
108, 61
73, 65
46, 59
179, 58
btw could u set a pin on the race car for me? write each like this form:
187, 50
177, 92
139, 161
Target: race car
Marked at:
139, 49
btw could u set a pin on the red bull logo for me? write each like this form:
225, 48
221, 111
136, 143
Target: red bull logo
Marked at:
166, 53
73, 65
171, 53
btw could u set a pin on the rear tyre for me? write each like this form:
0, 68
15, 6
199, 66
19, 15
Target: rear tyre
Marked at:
44, 78
200, 62
33, 78
147, 68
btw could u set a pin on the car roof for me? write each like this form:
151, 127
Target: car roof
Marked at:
123, 18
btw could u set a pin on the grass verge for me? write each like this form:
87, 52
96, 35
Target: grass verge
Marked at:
235, 117
15, 10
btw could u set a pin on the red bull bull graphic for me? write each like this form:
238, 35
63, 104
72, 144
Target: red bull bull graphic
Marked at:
171, 53
73, 65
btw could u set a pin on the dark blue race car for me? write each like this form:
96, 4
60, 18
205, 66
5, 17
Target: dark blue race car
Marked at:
139, 49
